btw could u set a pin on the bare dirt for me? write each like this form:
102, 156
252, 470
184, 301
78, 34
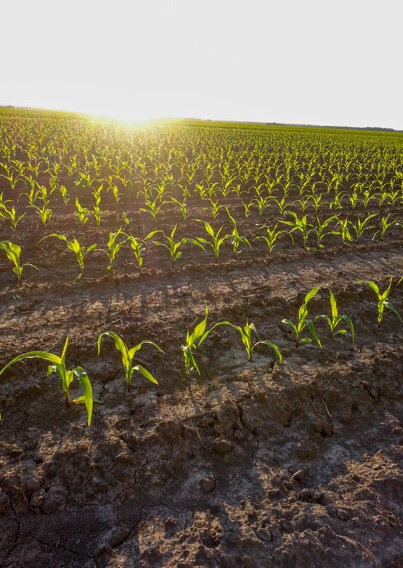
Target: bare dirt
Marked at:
250, 464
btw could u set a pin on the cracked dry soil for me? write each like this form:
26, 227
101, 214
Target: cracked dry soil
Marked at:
251, 464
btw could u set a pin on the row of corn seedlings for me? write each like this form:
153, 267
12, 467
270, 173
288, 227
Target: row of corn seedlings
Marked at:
39, 201
346, 229
336, 323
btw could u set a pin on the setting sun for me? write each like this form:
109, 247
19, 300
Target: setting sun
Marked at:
263, 61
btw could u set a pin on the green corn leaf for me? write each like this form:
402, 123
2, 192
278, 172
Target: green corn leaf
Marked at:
333, 305
313, 331
87, 388
275, 349
291, 324
389, 305
145, 373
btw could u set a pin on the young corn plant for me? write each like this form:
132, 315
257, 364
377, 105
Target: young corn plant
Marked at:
75, 247
153, 207
96, 210
113, 246
281, 204
137, 248
237, 239
82, 214
247, 208
128, 357
216, 240
247, 338
382, 298
334, 319
58, 366
10, 215
300, 225
304, 322
385, 225
362, 226
194, 340
13, 252
270, 237
214, 208
171, 245
182, 205
320, 231
64, 194
344, 232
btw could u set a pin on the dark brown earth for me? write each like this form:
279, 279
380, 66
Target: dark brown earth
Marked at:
250, 464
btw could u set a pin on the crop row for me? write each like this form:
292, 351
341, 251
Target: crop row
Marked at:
195, 338
345, 229
154, 205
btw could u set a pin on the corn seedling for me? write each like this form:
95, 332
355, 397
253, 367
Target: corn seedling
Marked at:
262, 203
137, 248
237, 239
271, 236
382, 298
247, 208
344, 231
216, 241
320, 232
13, 253
303, 322
385, 224
82, 213
214, 208
300, 225
334, 319
281, 204
153, 207
113, 247
246, 336
362, 226
75, 247
337, 202
194, 340
45, 214
58, 366
367, 197
64, 194
128, 357
182, 205
172, 246
10, 215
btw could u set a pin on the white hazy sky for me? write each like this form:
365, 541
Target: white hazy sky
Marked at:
294, 61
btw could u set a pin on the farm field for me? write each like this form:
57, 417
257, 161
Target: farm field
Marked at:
290, 458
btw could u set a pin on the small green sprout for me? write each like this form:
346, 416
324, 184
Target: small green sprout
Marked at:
237, 239
58, 366
216, 241
334, 320
113, 247
137, 248
75, 247
382, 298
128, 357
303, 322
172, 246
246, 336
13, 252
194, 340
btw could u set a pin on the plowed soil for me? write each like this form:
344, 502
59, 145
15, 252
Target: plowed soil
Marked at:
252, 463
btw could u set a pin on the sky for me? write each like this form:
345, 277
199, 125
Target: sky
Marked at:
289, 61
